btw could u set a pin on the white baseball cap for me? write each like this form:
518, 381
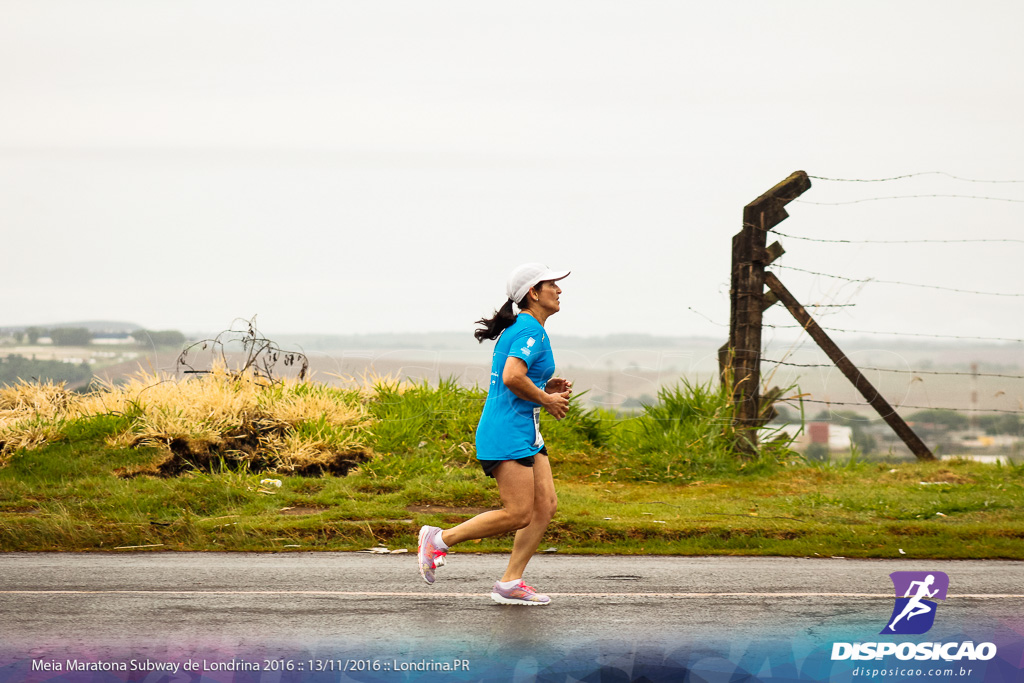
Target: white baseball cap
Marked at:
527, 275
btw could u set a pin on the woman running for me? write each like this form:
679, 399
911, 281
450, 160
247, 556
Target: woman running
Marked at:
508, 441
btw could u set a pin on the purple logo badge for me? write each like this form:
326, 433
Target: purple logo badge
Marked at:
914, 612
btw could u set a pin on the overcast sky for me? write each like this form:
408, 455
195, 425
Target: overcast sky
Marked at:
341, 167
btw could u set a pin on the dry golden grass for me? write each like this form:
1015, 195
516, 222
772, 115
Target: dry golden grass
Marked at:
297, 453
370, 382
21, 434
30, 415
39, 399
290, 409
288, 425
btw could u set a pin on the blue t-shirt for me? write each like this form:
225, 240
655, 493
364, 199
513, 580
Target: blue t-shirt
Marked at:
510, 427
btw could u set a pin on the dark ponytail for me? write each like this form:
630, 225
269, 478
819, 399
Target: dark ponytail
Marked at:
492, 327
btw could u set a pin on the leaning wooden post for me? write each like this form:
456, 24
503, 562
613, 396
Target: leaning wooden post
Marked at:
865, 387
749, 257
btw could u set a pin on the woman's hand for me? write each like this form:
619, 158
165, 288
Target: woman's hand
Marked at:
558, 385
556, 403
555, 396
562, 388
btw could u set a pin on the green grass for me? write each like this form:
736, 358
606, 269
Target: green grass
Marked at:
664, 482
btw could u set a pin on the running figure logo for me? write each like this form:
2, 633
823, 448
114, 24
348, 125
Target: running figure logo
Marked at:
913, 613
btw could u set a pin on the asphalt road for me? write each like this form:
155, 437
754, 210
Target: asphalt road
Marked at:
310, 605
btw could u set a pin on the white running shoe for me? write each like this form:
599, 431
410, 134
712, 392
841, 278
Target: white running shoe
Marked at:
519, 594
430, 556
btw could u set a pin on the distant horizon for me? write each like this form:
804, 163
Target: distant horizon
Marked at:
393, 339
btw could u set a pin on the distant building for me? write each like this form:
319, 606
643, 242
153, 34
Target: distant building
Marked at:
834, 437
111, 338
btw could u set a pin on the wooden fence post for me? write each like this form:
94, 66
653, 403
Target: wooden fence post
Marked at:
740, 359
749, 258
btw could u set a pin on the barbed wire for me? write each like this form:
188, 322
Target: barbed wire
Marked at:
898, 334
905, 284
894, 370
715, 322
910, 175
896, 282
870, 332
829, 305
696, 312
818, 239
868, 405
911, 196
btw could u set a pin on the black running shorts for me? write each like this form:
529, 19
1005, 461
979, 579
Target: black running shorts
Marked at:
490, 465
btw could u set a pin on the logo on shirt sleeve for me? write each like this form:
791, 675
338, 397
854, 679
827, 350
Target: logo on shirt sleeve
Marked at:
525, 350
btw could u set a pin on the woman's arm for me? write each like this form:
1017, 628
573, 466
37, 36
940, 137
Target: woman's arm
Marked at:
514, 377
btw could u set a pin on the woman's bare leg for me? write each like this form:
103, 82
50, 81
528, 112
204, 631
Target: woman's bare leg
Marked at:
544, 505
516, 487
